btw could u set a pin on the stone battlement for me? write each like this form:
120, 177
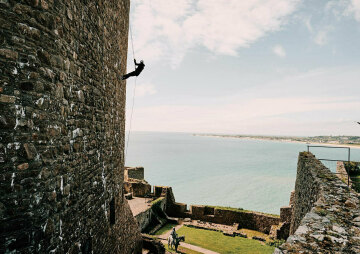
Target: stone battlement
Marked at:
134, 173
326, 212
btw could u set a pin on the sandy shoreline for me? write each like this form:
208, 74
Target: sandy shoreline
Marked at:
284, 141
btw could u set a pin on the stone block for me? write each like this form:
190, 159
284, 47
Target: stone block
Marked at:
30, 151
23, 166
9, 54
7, 98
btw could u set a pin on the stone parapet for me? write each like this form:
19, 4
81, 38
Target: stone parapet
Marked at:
326, 215
137, 188
246, 219
134, 173
286, 213
342, 173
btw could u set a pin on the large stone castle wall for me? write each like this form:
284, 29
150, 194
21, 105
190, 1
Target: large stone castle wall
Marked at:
326, 212
62, 123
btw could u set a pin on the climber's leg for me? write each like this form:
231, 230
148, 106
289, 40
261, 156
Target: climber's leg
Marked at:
130, 74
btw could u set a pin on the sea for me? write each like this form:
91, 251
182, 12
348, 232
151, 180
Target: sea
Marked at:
251, 174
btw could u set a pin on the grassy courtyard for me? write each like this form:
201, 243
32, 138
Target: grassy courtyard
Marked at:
218, 242
182, 250
165, 228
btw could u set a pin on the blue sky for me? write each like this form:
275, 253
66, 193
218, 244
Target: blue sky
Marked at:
274, 67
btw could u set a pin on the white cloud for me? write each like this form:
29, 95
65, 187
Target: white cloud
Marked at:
322, 36
279, 51
165, 30
355, 9
302, 104
340, 8
308, 24
252, 116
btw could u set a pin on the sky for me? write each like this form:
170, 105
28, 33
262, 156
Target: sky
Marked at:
259, 67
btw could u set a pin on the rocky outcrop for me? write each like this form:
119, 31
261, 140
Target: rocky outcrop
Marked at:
326, 212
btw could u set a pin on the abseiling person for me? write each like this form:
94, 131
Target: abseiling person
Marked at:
139, 68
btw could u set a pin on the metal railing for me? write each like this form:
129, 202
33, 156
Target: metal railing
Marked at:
334, 147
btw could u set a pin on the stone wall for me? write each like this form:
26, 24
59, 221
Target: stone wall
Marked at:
307, 187
342, 173
326, 213
154, 217
134, 173
137, 188
62, 123
246, 219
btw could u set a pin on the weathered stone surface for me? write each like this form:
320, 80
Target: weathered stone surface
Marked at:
153, 245
138, 188
23, 166
7, 99
9, 54
62, 128
325, 212
30, 151
134, 172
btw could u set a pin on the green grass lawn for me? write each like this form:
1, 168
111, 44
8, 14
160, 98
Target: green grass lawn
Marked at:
182, 250
218, 242
165, 228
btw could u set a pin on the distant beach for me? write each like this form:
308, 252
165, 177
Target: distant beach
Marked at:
279, 139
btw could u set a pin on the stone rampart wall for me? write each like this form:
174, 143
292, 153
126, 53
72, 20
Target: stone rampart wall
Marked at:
246, 219
341, 172
134, 173
326, 213
151, 215
62, 127
307, 187
137, 188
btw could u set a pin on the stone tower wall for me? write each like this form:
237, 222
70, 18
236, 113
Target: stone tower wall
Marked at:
62, 125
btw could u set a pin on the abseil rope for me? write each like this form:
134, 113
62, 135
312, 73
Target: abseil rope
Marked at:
133, 99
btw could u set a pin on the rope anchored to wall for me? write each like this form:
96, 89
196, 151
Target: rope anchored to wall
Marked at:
133, 99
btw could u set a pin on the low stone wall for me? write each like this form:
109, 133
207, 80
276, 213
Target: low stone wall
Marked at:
137, 188
152, 216
282, 230
152, 245
134, 173
326, 213
341, 172
286, 213
246, 219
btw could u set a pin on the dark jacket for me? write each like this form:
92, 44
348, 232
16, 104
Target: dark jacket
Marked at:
139, 68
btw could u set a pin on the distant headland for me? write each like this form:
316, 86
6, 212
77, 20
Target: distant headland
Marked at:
352, 141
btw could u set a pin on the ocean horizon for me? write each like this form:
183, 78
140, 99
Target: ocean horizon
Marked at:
251, 174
